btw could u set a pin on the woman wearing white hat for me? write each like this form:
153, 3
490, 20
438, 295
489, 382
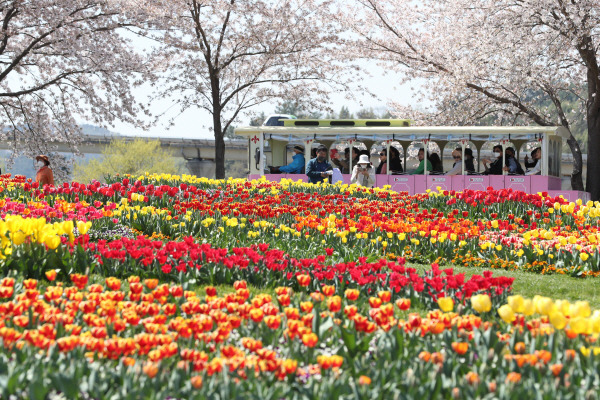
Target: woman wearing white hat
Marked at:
363, 173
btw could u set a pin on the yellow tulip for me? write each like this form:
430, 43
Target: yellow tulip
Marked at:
528, 307
18, 237
580, 309
558, 320
579, 325
52, 242
516, 303
83, 227
446, 304
481, 303
68, 226
506, 313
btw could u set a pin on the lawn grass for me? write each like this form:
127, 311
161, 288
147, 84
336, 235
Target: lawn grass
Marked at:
528, 284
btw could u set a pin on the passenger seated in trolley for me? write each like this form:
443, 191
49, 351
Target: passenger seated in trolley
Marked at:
437, 168
421, 168
395, 164
457, 167
536, 156
296, 166
513, 166
344, 163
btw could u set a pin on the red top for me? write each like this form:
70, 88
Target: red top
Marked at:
45, 176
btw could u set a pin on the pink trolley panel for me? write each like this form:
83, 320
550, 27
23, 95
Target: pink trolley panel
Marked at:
402, 183
435, 181
518, 182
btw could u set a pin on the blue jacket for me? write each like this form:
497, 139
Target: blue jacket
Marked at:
315, 168
295, 167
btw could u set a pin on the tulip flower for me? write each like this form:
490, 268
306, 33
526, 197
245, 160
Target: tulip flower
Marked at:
446, 304
506, 313
481, 303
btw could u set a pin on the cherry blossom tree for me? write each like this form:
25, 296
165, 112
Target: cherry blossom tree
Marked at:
512, 61
62, 62
228, 56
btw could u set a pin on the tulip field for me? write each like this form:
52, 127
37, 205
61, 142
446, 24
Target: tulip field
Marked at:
162, 286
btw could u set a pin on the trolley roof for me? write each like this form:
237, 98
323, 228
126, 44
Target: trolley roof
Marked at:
397, 129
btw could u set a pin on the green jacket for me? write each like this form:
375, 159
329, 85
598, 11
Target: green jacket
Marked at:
421, 169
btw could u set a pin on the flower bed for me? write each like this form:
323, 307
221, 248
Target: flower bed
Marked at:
109, 290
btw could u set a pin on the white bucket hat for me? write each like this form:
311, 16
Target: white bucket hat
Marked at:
364, 159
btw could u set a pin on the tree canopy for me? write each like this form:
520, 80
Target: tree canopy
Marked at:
129, 157
516, 62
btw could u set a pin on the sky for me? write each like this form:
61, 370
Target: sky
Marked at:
195, 123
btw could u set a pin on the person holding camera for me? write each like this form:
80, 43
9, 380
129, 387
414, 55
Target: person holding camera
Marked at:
363, 173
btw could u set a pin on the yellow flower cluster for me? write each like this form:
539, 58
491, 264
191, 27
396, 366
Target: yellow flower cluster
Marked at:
15, 230
577, 317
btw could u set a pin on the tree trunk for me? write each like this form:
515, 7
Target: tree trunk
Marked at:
576, 176
219, 144
593, 161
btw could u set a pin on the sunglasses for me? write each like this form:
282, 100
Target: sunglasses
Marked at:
382, 154
456, 157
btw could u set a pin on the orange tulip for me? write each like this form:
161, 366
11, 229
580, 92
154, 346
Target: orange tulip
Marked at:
196, 381
328, 290
520, 348
556, 369
289, 366
375, 302
306, 306
472, 378
352, 294
460, 347
113, 283
151, 283
6, 292
334, 303
51, 275
303, 280
513, 377
403, 304
284, 300
350, 310
30, 283
310, 339
239, 285
364, 380
385, 295
273, 321
150, 369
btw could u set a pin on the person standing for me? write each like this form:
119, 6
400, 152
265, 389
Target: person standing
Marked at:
44, 174
363, 172
317, 168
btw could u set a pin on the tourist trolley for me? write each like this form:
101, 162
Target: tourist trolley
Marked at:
269, 145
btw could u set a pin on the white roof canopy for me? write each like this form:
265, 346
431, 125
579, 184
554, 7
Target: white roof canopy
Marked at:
447, 133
